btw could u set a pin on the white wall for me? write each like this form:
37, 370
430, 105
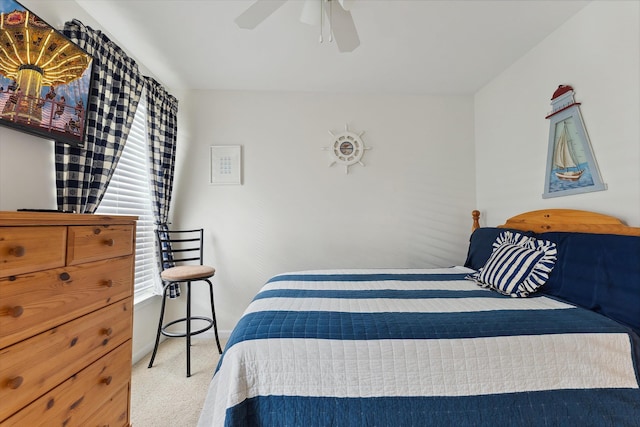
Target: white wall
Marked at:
408, 207
27, 171
598, 53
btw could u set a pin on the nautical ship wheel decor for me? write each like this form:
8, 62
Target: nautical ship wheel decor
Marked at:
571, 166
346, 149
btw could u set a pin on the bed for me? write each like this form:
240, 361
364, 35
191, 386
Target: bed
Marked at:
448, 346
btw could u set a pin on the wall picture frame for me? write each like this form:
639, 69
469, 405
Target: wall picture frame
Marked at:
225, 164
571, 165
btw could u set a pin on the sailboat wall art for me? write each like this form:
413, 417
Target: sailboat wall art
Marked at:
571, 166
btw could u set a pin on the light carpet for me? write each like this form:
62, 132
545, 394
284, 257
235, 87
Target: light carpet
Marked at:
163, 396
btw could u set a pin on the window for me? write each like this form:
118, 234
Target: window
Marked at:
129, 193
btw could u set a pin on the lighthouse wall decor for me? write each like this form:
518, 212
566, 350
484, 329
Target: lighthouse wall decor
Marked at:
571, 166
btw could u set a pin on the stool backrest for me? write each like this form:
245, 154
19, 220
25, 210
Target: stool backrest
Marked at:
177, 247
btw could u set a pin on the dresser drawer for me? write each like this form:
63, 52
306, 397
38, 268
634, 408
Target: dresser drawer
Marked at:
35, 302
25, 249
115, 412
93, 243
104, 384
36, 365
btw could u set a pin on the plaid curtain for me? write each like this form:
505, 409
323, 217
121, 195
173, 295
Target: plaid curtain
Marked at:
83, 174
162, 128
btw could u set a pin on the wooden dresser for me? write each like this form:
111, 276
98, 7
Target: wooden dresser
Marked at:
66, 315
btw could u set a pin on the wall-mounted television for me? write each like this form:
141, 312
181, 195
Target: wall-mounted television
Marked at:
45, 78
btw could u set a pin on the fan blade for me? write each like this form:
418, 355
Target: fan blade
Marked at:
258, 12
343, 28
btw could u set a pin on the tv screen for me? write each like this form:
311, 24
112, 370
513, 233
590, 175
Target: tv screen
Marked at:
44, 77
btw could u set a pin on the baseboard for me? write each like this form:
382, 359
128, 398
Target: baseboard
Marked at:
141, 353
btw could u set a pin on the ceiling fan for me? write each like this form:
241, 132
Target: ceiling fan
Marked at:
336, 12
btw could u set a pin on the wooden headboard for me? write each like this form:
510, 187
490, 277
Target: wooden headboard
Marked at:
565, 220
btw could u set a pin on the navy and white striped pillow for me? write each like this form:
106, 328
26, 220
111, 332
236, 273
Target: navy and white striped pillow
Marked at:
518, 266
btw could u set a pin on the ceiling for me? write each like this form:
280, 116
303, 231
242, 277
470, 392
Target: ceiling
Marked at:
406, 46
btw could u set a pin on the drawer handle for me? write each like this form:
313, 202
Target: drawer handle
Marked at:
109, 242
16, 311
65, 276
107, 380
107, 331
17, 251
15, 382
108, 283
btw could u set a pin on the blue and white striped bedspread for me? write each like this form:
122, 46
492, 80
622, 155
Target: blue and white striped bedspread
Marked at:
418, 348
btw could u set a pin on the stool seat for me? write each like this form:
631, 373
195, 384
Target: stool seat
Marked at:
182, 273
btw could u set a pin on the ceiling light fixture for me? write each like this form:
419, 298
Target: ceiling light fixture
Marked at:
314, 12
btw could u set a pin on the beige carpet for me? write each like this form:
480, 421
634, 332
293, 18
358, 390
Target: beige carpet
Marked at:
163, 396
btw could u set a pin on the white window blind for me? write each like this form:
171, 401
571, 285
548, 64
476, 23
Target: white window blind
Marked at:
129, 193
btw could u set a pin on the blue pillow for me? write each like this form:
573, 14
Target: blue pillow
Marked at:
600, 272
518, 266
